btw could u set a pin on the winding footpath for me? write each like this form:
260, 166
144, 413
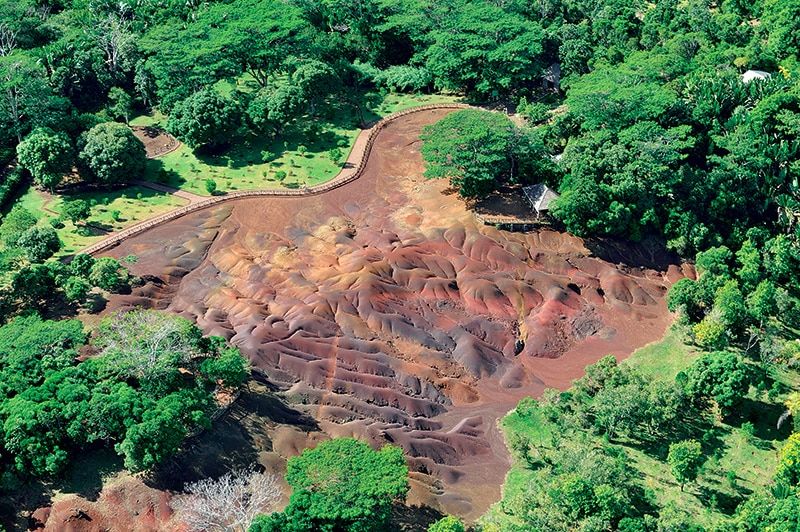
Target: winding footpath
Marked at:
352, 170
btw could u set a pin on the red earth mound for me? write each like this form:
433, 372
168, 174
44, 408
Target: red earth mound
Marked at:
383, 309
126, 504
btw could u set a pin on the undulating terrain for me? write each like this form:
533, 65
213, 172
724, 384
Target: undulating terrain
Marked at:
383, 309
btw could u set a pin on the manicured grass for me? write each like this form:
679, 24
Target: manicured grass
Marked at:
133, 203
301, 151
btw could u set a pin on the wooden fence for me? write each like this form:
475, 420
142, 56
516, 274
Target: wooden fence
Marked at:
342, 179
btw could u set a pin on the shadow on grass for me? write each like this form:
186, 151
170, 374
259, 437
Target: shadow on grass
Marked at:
318, 140
722, 501
157, 173
87, 471
764, 417
692, 427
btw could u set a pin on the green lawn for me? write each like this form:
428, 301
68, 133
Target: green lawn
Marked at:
133, 203
738, 463
664, 358
301, 151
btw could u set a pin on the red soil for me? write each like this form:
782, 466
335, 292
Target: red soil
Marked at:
126, 504
383, 309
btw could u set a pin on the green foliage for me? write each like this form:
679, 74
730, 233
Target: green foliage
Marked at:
486, 50
230, 368
52, 406
76, 288
47, 155
15, 223
108, 274
111, 153
211, 186
342, 484
685, 459
720, 376
120, 104
448, 523
789, 461
473, 149
206, 118
766, 511
76, 210
81, 265
39, 243
33, 285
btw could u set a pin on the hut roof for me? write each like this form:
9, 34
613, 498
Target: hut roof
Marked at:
750, 75
540, 196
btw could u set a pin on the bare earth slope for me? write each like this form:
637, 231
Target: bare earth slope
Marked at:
383, 309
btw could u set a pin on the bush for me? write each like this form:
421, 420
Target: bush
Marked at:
447, 524
39, 243
111, 153
108, 274
47, 155
720, 376
342, 484
211, 186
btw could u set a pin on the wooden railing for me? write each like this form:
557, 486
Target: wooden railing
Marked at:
342, 179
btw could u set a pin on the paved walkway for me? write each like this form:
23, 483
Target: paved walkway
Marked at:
351, 171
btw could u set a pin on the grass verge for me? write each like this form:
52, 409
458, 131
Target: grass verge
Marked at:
300, 156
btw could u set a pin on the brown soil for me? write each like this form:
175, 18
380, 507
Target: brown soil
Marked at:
384, 310
157, 142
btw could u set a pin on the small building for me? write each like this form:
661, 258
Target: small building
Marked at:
750, 75
551, 78
540, 196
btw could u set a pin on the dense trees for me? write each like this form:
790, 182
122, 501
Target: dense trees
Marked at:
342, 484
654, 130
486, 50
478, 150
51, 405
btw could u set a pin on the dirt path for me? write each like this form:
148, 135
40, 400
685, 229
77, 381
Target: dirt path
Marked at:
352, 169
381, 308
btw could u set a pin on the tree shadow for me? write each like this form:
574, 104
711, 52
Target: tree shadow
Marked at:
87, 471
709, 436
723, 502
156, 172
764, 417
248, 152
234, 441
413, 518
651, 252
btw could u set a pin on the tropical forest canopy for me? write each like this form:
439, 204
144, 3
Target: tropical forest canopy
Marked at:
636, 112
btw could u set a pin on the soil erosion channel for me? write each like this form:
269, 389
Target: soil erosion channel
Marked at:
383, 309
